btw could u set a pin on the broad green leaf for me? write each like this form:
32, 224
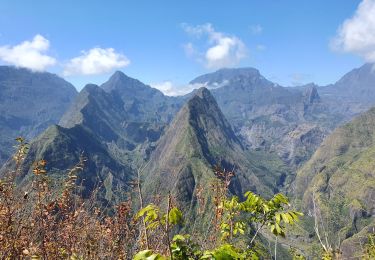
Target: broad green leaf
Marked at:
175, 216
148, 255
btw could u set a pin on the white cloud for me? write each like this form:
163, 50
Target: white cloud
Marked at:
95, 61
28, 54
357, 34
223, 50
256, 29
170, 89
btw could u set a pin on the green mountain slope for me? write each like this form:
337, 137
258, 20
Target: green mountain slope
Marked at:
341, 176
62, 149
198, 138
124, 114
114, 126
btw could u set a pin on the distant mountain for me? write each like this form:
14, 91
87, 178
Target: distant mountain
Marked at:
248, 123
341, 174
141, 102
29, 103
291, 122
198, 138
250, 89
125, 114
356, 86
115, 126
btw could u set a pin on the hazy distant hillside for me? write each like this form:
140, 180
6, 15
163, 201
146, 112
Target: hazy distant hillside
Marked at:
356, 86
29, 103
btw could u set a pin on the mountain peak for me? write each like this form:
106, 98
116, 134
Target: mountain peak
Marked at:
199, 125
311, 94
357, 85
364, 73
198, 137
227, 74
120, 80
90, 88
204, 95
119, 75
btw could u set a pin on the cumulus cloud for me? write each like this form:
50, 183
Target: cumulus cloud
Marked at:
357, 34
28, 54
95, 61
223, 50
170, 89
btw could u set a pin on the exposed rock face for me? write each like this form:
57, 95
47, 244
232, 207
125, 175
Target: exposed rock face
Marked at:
29, 103
300, 143
353, 246
266, 115
270, 117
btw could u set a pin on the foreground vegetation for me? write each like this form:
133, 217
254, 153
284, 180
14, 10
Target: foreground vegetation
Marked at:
40, 221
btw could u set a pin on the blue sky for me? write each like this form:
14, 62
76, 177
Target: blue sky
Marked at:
159, 42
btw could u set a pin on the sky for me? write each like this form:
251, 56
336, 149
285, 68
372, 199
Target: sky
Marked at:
168, 43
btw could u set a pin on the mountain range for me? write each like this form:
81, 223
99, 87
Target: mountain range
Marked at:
298, 140
29, 103
197, 139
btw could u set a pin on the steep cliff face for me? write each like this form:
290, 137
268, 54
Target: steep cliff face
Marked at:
288, 121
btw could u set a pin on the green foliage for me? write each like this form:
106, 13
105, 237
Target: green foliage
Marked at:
183, 248
256, 210
229, 226
370, 247
148, 255
296, 255
271, 212
151, 216
236, 217
175, 216
226, 251
153, 219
